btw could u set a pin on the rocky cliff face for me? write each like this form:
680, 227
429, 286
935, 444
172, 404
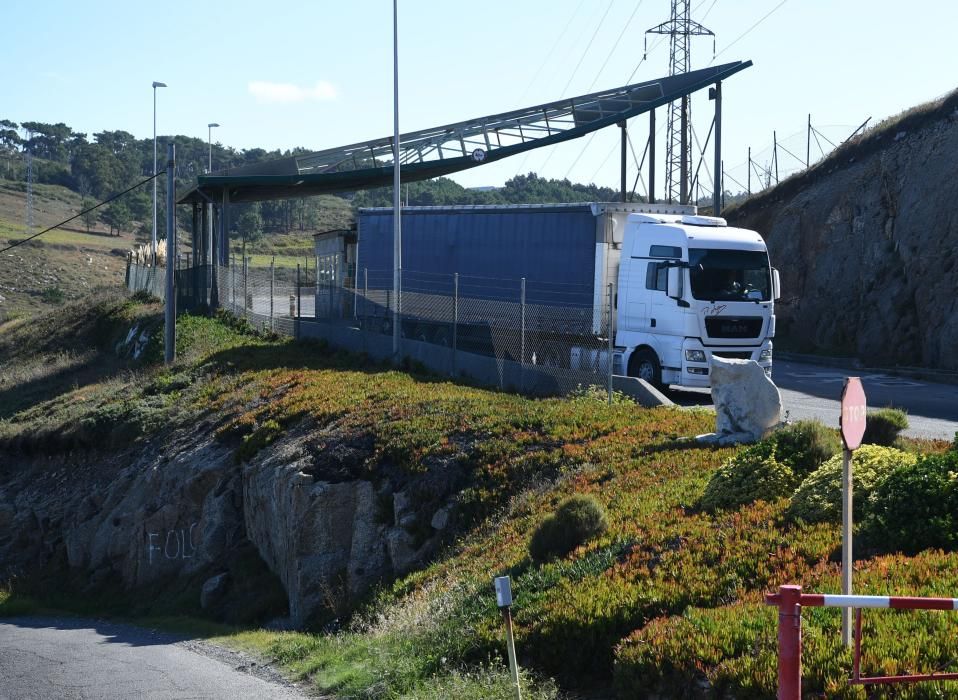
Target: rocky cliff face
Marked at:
183, 515
867, 244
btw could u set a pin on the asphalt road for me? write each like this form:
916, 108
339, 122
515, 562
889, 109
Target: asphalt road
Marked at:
73, 659
812, 391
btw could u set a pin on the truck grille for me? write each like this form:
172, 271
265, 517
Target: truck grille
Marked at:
733, 355
729, 327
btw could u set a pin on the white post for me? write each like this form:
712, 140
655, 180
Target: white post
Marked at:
847, 558
272, 278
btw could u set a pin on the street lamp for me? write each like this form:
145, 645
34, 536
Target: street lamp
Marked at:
209, 207
156, 84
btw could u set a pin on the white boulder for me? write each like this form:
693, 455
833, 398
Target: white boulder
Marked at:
747, 403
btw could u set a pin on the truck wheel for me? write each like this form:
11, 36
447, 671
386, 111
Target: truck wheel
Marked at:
645, 365
421, 334
442, 338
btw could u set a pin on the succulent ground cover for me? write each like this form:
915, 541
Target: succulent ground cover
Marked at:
665, 601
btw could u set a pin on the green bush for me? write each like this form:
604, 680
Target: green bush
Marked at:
883, 427
819, 498
916, 506
578, 519
754, 474
805, 445
53, 295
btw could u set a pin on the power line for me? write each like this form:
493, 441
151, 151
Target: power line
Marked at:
552, 50
747, 31
588, 46
616, 44
77, 216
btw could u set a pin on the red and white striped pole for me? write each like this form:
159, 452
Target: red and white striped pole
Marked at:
790, 600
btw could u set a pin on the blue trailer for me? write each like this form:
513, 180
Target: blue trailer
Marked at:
663, 289
542, 269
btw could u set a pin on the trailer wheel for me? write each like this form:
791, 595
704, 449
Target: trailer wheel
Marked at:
644, 364
441, 337
387, 326
421, 333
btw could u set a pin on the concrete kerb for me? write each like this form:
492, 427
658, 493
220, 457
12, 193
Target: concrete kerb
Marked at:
641, 391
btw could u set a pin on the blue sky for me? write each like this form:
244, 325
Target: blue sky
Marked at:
319, 74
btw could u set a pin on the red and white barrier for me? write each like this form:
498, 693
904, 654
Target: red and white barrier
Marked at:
813, 600
790, 600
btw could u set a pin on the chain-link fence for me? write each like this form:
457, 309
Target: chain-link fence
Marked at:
520, 334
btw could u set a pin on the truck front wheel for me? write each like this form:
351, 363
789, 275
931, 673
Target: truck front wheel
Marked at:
644, 364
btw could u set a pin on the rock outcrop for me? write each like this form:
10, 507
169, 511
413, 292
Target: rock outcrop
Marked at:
185, 513
867, 244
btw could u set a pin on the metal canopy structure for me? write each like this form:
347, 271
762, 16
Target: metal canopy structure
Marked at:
447, 149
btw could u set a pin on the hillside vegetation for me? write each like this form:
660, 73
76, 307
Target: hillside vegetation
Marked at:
665, 601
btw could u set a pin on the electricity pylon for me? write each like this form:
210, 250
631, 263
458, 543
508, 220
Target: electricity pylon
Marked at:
680, 28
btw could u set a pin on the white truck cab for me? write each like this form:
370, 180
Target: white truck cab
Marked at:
691, 288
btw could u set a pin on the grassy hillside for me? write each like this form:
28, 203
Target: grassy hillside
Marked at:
62, 265
665, 603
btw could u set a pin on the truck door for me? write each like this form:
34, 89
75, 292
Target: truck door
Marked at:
666, 316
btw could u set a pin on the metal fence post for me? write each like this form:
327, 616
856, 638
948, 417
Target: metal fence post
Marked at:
789, 642
272, 282
233, 283
522, 331
299, 299
170, 310
246, 299
365, 297
455, 322
610, 333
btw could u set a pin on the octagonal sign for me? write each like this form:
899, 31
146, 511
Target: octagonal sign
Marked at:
852, 420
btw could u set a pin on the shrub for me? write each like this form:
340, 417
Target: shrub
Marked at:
883, 427
804, 446
916, 506
53, 295
819, 498
751, 475
578, 519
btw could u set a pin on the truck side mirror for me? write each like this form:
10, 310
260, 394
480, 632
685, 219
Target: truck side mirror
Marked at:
673, 287
776, 285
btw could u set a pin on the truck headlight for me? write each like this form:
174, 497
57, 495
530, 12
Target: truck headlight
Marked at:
695, 356
766, 354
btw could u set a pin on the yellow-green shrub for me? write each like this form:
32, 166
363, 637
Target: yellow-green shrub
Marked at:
819, 498
746, 478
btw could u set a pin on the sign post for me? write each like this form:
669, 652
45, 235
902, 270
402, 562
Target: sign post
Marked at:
504, 602
852, 424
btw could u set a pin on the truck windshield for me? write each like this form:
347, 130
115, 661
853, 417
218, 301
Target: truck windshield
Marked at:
729, 275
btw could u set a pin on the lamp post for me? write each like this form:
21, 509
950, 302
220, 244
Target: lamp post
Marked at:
397, 211
210, 127
156, 84
209, 218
